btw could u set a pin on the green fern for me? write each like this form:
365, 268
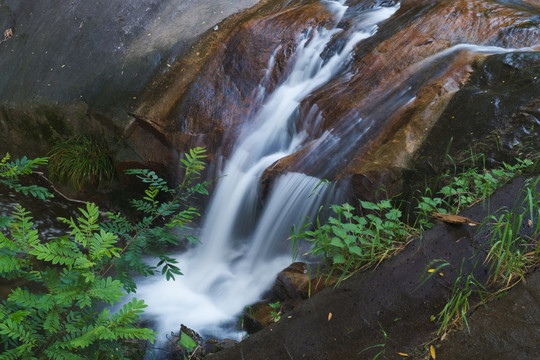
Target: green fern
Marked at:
11, 171
71, 274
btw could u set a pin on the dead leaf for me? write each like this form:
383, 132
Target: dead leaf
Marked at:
402, 354
454, 219
432, 352
529, 222
8, 33
329, 316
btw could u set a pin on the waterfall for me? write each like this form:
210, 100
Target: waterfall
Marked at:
244, 234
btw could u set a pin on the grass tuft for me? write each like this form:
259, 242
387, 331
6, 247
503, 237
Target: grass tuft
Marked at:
80, 162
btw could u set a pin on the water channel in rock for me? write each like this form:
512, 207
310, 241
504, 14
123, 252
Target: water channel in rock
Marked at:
244, 237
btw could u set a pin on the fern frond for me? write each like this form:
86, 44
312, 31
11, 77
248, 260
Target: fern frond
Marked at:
21, 230
143, 206
129, 313
10, 171
102, 244
130, 333
193, 164
22, 351
183, 217
24, 166
10, 265
52, 322
57, 252
150, 177
23, 297
107, 290
18, 332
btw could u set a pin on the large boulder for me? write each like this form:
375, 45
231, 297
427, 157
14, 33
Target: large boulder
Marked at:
379, 114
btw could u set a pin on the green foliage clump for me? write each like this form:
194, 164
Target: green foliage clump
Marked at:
63, 318
513, 252
174, 205
464, 190
276, 311
80, 162
60, 312
10, 171
349, 242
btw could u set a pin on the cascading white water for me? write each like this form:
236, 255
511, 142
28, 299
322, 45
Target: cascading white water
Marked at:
243, 240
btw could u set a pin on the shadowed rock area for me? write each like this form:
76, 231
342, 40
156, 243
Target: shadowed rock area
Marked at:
76, 68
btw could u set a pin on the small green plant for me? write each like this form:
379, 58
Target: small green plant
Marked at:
10, 171
454, 313
141, 239
276, 311
81, 162
187, 343
63, 317
464, 190
350, 242
512, 253
381, 346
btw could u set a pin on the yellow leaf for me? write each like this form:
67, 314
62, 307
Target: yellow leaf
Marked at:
402, 354
432, 352
441, 274
329, 316
431, 270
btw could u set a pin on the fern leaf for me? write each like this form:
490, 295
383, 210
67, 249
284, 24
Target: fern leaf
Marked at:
130, 333
10, 264
129, 312
150, 177
52, 322
102, 244
107, 290
23, 297
57, 252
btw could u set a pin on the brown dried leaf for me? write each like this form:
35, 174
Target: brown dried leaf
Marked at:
454, 219
8, 33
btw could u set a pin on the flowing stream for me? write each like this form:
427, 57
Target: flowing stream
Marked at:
244, 238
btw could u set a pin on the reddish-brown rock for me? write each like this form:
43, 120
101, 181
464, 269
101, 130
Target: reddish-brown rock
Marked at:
378, 114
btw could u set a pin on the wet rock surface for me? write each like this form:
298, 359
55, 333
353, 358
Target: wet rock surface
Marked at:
498, 109
509, 328
100, 52
32, 129
343, 323
396, 100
